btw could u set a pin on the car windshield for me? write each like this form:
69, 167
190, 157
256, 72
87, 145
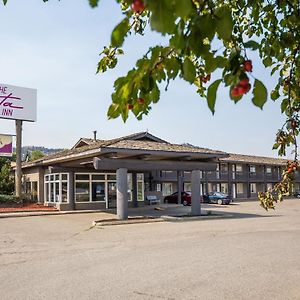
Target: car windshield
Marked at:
220, 194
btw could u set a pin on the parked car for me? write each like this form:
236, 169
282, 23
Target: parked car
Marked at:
297, 194
186, 198
216, 197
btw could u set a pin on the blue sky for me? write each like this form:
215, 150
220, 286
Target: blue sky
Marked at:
54, 47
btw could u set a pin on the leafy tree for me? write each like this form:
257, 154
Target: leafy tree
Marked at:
6, 182
36, 154
204, 36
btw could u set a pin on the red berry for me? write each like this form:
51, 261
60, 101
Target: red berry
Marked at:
138, 6
247, 65
244, 82
235, 92
130, 106
241, 89
247, 87
208, 77
141, 100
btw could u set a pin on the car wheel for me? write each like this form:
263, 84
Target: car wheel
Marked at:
298, 196
185, 203
220, 201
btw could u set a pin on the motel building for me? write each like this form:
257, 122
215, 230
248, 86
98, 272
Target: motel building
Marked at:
127, 171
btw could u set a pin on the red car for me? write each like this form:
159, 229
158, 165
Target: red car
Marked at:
186, 198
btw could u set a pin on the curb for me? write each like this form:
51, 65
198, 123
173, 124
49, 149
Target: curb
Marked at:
141, 220
41, 214
127, 222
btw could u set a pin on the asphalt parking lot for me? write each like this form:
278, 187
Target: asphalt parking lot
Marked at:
252, 255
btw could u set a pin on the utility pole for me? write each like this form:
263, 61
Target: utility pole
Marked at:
18, 177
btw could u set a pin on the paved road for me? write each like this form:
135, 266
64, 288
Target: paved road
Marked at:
255, 255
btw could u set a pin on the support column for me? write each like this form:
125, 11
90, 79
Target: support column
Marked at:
18, 174
134, 190
72, 190
195, 180
41, 185
122, 199
179, 186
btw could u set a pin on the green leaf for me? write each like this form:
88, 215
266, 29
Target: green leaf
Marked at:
284, 105
4, 2
267, 61
93, 3
183, 8
154, 94
119, 33
162, 18
275, 95
113, 111
189, 70
260, 94
211, 95
224, 23
252, 45
206, 26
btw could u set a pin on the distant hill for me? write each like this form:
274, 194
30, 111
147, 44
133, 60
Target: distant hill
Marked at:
46, 151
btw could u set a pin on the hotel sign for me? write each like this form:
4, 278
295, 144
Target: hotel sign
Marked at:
6, 148
17, 103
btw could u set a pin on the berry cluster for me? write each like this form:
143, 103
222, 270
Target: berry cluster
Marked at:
291, 167
243, 87
138, 100
138, 6
205, 78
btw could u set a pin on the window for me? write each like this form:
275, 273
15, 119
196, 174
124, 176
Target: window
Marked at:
82, 177
224, 167
268, 170
253, 188
187, 186
252, 169
98, 191
56, 188
239, 188
224, 188
167, 188
238, 168
82, 191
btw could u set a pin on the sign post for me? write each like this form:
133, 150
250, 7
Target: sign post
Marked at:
19, 104
18, 174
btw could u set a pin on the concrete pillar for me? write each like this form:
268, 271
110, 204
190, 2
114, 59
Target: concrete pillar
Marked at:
195, 180
122, 199
72, 190
179, 186
41, 184
134, 190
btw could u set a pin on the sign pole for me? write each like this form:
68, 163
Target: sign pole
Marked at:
18, 178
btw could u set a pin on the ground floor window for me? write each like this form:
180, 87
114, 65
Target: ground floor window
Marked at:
31, 189
93, 187
253, 188
167, 188
187, 186
224, 188
56, 188
239, 188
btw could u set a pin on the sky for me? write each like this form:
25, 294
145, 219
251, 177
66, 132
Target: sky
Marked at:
54, 47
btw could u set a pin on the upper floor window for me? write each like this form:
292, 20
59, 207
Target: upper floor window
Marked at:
268, 170
252, 169
238, 168
224, 167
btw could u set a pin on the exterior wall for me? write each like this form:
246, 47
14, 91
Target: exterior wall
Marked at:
236, 179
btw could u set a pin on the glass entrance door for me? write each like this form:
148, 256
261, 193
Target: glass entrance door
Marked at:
112, 194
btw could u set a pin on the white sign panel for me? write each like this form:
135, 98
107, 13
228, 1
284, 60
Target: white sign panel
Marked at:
6, 147
17, 103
